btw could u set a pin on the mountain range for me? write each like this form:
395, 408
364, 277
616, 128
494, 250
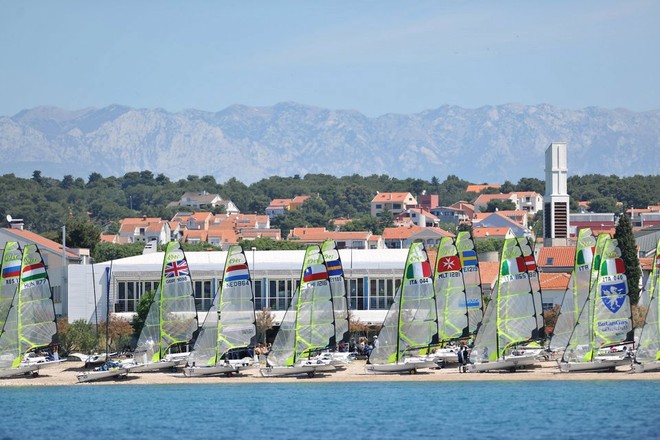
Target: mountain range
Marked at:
486, 144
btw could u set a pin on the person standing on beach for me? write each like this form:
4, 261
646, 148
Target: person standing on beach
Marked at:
466, 358
459, 353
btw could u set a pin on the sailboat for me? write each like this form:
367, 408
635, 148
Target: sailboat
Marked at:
452, 304
411, 323
172, 317
605, 319
230, 324
511, 318
30, 322
339, 303
577, 291
308, 325
471, 278
647, 356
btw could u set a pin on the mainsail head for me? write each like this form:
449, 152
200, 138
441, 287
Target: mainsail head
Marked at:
411, 322
172, 317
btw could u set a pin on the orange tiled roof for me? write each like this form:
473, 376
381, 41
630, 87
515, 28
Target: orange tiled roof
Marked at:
562, 256
488, 270
390, 197
554, 281
40, 241
479, 188
483, 199
646, 263
489, 232
400, 233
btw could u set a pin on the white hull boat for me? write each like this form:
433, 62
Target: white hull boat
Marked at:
649, 366
92, 376
194, 371
153, 366
308, 370
20, 371
408, 366
510, 363
605, 363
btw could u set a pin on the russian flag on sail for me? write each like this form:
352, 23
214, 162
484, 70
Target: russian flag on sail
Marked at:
448, 264
513, 266
315, 272
468, 258
12, 269
419, 270
612, 266
33, 272
237, 272
334, 268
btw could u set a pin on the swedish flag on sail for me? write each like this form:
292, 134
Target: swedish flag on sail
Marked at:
334, 268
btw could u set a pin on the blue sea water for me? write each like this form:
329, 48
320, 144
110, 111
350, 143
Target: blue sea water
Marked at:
382, 410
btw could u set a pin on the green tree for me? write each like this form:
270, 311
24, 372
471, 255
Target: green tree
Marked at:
626, 239
603, 205
142, 309
110, 251
81, 233
500, 205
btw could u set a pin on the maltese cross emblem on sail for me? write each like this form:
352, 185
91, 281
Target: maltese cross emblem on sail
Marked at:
613, 295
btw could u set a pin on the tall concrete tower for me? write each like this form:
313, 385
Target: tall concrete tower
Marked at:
556, 199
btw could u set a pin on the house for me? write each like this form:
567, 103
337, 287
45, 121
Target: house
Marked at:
598, 222
344, 240
556, 259
448, 214
643, 218
528, 201
395, 203
280, 206
144, 230
481, 202
403, 237
56, 259
204, 200
416, 216
194, 220
482, 233
497, 220
428, 201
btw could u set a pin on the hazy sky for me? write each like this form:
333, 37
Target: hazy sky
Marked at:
372, 56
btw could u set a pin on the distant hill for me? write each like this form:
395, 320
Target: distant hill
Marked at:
487, 144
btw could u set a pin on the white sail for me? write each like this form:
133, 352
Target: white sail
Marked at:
30, 322
338, 288
10, 272
471, 278
450, 295
411, 321
230, 322
577, 291
511, 315
172, 317
648, 350
309, 322
535, 282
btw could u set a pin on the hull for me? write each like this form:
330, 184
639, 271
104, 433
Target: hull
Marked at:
152, 366
47, 364
649, 366
511, 363
225, 369
20, 371
92, 376
409, 366
308, 370
599, 364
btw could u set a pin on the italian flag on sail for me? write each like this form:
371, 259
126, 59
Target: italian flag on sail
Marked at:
513, 266
418, 270
33, 272
585, 256
612, 266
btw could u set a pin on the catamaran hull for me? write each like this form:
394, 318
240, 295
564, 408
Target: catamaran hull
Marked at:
649, 366
92, 376
511, 363
19, 371
308, 370
596, 365
209, 371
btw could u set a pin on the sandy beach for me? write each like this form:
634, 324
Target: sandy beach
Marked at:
66, 374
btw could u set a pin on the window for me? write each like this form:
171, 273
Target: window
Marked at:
203, 295
550, 261
130, 292
355, 294
279, 293
381, 293
258, 295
